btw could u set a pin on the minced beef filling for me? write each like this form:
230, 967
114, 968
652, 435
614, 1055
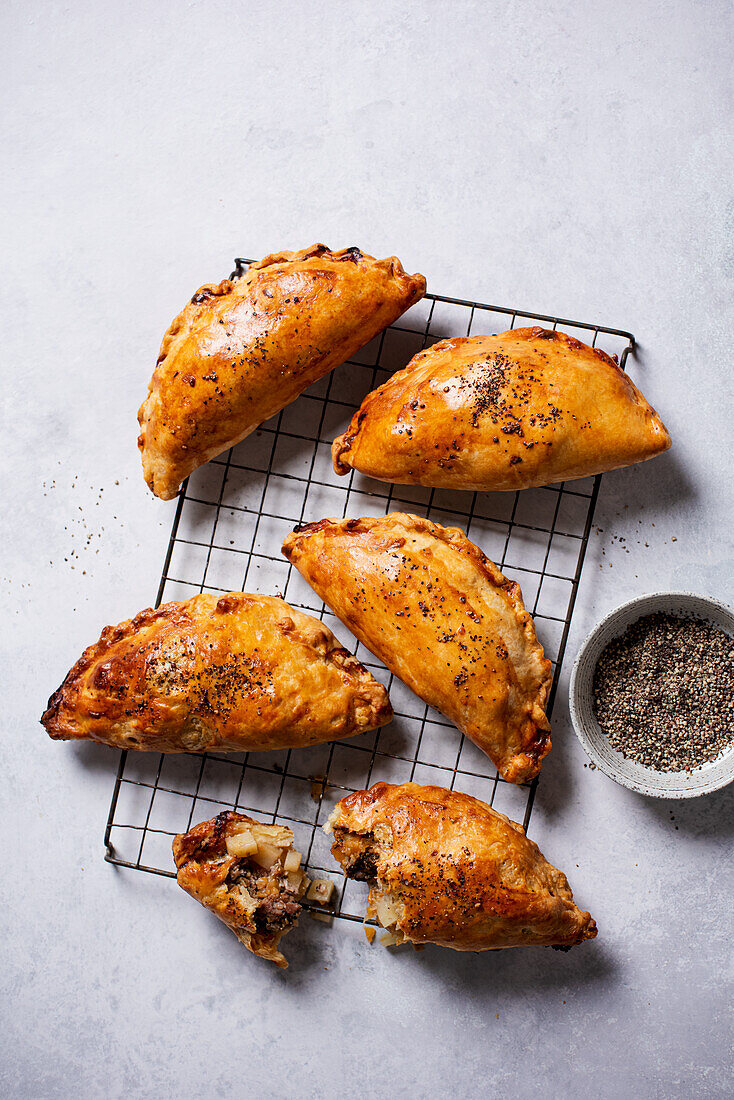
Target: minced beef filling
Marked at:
364, 867
278, 908
275, 914
356, 855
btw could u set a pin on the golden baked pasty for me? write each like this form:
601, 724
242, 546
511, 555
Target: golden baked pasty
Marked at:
445, 868
235, 673
244, 349
527, 407
441, 616
248, 874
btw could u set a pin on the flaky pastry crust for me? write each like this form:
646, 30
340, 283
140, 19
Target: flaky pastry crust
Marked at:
235, 673
259, 903
243, 349
528, 407
442, 617
446, 868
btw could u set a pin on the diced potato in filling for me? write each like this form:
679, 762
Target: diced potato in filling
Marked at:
248, 874
268, 880
243, 844
321, 890
292, 860
358, 854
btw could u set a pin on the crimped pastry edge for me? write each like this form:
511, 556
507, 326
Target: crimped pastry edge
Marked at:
344, 443
63, 727
226, 286
459, 541
362, 802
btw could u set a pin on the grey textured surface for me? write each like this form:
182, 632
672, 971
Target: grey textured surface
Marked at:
569, 157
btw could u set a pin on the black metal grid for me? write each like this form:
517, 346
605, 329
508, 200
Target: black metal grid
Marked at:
231, 518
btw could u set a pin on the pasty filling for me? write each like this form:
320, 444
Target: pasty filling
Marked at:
359, 855
266, 877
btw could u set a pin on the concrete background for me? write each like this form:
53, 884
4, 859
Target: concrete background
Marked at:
566, 157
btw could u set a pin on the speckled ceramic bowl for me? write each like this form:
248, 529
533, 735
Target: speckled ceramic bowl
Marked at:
709, 777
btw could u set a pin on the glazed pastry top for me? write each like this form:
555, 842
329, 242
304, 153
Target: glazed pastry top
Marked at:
234, 673
446, 868
525, 408
243, 349
443, 618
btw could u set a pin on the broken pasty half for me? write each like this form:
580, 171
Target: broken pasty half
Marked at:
248, 874
445, 868
442, 617
236, 673
242, 350
528, 407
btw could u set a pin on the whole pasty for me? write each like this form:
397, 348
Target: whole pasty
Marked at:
445, 868
442, 617
241, 351
527, 407
248, 874
235, 674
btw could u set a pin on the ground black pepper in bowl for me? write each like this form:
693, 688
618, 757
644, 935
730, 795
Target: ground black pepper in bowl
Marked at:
664, 692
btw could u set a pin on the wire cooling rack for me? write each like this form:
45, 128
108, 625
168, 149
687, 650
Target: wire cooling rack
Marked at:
230, 521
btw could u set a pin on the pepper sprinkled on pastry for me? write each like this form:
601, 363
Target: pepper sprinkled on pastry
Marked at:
442, 617
528, 407
243, 349
234, 673
446, 868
